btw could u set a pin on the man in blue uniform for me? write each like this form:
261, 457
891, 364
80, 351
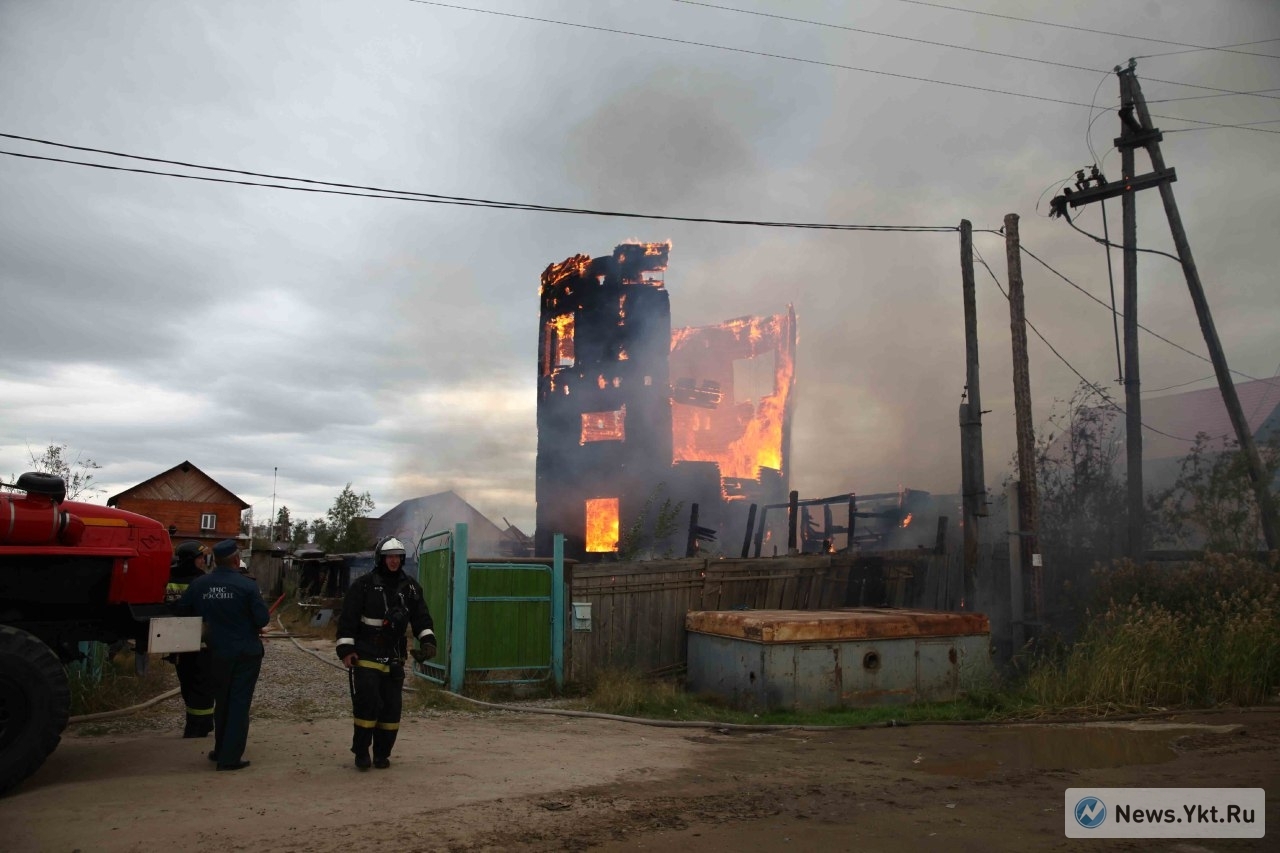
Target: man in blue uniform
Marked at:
233, 612
371, 642
190, 561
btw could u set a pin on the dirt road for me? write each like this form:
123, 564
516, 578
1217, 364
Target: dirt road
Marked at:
501, 781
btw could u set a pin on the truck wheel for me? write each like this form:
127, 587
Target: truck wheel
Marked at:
34, 703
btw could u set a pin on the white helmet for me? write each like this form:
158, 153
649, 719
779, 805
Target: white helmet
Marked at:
390, 547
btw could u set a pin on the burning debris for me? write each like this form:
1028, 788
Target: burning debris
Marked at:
614, 430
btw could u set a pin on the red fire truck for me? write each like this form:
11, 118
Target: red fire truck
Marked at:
69, 573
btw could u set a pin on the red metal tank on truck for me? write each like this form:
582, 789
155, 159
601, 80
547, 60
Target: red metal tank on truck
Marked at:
70, 572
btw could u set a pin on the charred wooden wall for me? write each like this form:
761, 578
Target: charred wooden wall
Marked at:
604, 337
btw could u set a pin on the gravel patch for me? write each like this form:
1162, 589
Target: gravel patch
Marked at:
297, 684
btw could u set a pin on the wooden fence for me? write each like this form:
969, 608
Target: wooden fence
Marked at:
638, 609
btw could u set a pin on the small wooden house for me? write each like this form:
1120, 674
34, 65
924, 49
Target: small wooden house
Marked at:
193, 505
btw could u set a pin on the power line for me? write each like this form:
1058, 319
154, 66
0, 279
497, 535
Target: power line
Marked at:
432, 198
1224, 94
861, 31
1219, 47
800, 59
997, 53
1246, 125
1179, 385
1100, 391
1111, 245
1085, 29
1157, 335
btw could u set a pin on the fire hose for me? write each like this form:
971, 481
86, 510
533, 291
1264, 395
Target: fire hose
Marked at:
168, 694
683, 724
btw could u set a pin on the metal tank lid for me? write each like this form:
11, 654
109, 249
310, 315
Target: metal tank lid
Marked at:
851, 623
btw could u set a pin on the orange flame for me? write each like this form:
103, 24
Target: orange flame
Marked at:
741, 434
602, 524
604, 426
556, 272
906, 522
561, 329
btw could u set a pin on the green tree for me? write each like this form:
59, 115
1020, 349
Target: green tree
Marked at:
1212, 503
301, 533
649, 538
341, 531
77, 471
284, 526
1083, 502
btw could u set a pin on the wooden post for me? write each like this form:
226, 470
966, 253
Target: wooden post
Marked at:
853, 519
793, 518
760, 529
1017, 619
1261, 488
972, 474
691, 542
1027, 497
746, 540
1136, 538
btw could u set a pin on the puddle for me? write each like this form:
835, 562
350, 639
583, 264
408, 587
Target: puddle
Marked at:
1022, 748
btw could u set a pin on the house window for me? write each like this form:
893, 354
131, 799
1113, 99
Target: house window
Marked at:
602, 525
208, 521
604, 426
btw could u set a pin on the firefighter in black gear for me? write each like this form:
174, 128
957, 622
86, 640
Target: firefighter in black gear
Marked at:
377, 609
190, 561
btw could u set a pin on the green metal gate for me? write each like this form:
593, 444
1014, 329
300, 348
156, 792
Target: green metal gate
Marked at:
496, 622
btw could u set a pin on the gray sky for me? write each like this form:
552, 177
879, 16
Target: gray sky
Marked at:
392, 344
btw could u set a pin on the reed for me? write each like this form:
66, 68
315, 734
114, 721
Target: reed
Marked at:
1201, 636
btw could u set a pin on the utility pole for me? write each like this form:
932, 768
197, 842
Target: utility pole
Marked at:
1027, 497
1138, 132
972, 471
1132, 384
274, 473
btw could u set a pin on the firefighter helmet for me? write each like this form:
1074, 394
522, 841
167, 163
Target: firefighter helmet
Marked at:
388, 546
189, 552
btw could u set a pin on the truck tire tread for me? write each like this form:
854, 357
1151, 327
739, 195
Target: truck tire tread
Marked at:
35, 702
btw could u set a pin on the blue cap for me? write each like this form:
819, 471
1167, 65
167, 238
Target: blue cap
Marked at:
225, 548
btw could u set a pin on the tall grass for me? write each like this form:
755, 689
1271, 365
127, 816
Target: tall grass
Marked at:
119, 685
1200, 636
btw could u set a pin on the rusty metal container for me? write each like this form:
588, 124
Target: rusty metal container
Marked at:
850, 657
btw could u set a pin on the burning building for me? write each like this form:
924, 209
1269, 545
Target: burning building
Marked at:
628, 410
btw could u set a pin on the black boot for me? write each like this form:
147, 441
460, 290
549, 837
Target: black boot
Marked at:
360, 742
197, 726
383, 740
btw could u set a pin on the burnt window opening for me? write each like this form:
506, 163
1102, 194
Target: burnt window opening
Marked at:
602, 525
604, 426
561, 329
755, 378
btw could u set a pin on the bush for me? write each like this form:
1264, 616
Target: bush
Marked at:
1204, 635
